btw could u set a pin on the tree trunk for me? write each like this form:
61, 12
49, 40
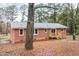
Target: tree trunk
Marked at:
73, 22
74, 32
30, 27
55, 20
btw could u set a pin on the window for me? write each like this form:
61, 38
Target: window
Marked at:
21, 32
35, 32
62, 29
53, 30
45, 30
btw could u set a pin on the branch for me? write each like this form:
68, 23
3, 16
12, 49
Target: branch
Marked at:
44, 7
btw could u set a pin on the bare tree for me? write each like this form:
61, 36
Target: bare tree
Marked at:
10, 15
11, 12
23, 11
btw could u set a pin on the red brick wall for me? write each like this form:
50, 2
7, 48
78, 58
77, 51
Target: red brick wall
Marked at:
42, 35
16, 37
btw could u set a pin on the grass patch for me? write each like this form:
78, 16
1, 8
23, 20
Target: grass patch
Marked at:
4, 37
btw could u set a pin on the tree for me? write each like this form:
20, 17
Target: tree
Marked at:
1, 13
69, 16
10, 15
30, 27
47, 12
41, 13
72, 15
1, 18
11, 12
64, 15
23, 11
77, 19
56, 10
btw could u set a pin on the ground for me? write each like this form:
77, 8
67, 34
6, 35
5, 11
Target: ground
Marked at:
42, 48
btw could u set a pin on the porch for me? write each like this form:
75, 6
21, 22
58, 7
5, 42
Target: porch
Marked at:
57, 33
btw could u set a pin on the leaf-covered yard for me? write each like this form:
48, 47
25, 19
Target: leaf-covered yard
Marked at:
42, 48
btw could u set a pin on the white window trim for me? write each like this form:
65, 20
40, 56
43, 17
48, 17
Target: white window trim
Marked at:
35, 33
21, 34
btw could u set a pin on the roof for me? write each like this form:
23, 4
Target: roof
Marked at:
37, 25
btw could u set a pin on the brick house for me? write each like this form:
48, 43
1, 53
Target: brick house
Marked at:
42, 31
